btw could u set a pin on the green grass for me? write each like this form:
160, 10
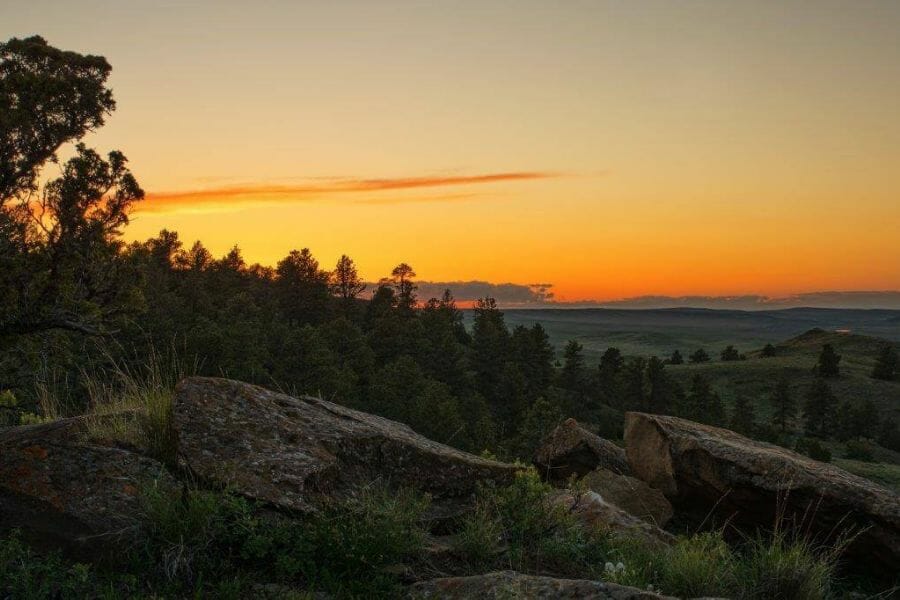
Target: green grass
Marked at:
887, 475
755, 378
205, 543
134, 406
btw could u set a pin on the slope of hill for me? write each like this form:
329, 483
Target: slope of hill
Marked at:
660, 331
755, 377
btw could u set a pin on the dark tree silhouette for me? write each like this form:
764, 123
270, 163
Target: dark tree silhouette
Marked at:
820, 410
730, 353
887, 363
829, 362
345, 281
743, 416
60, 263
702, 403
784, 405
699, 356
676, 358
402, 277
889, 435
664, 393
302, 288
47, 97
769, 351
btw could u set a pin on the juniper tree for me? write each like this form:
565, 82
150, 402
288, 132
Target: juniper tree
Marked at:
699, 356
730, 353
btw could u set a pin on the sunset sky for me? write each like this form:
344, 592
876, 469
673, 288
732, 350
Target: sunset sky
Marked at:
611, 148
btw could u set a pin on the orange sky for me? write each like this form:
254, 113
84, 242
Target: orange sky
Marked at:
611, 148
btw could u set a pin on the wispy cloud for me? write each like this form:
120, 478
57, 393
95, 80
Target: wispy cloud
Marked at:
316, 189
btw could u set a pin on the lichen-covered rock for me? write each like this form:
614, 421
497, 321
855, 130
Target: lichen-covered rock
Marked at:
596, 513
571, 449
507, 585
631, 495
297, 452
65, 493
748, 483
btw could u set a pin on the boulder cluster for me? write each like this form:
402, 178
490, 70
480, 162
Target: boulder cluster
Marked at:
68, 492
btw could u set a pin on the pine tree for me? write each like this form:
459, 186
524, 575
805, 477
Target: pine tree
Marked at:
829, 362
676, 358
820, 410
703, 404
573, 373
887, 364
663, 392
743, 416
784, 405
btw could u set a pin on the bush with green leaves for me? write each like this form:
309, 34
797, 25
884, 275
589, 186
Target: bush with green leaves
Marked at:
858, 450
519, 526
217, 542
814, 449
29, 576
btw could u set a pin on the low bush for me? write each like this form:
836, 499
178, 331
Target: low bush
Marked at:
858, 450
520, 527
28, 576
220, 543
813, 449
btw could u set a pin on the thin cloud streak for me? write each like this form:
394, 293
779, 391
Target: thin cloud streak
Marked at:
226, 196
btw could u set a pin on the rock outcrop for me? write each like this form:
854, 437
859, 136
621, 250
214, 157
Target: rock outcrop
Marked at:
297, 452
65, 493
595, 513
571, 449
510, 584
705, 468
631, 495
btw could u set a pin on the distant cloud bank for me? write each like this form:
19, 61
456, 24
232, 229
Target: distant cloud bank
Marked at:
863, 299
540, 295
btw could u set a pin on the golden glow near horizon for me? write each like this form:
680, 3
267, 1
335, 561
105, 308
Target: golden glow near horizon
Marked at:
612, 148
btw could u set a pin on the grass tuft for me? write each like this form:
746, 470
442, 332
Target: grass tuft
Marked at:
134, 406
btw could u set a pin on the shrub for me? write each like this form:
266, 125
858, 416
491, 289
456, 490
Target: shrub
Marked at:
521, 527
348, 549
351, 546
813, 449
26, 575
858, 450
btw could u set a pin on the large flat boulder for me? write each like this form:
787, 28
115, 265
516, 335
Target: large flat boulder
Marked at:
711, 470
295, 453
595, 513
631, 495
65, 493
570, 449
513, 585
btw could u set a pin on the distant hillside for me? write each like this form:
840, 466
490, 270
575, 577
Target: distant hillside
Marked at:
660, 331
755, 377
